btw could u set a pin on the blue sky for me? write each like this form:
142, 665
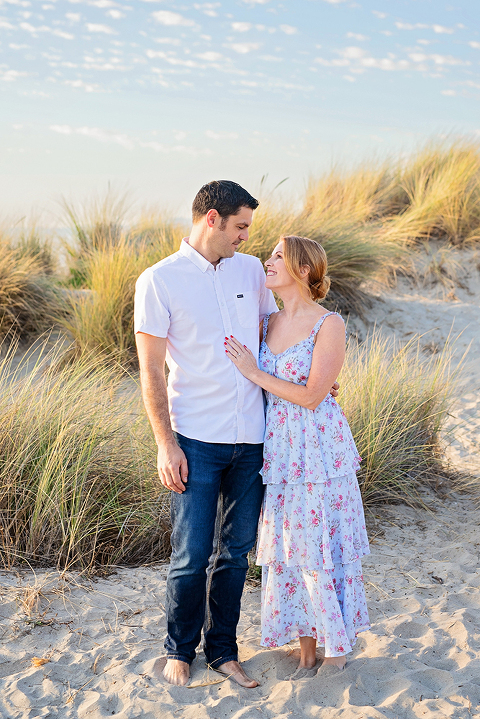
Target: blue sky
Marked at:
160, 97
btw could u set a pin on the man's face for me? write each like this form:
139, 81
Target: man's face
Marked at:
225, 239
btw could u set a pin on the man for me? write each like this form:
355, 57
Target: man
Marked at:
209, 425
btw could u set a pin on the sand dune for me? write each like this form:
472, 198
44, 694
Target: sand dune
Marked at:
102, 638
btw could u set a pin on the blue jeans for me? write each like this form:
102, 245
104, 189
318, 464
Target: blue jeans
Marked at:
214, 527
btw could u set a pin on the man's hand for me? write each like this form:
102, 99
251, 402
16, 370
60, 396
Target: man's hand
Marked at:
334, 390
172, 467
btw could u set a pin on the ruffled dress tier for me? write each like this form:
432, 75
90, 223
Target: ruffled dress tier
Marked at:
312, 534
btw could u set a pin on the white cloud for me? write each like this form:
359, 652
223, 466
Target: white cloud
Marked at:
221, 135
106, 29
95, 133
11, 75
211, 56
87, 86
381, 15
439, 29
165, 17
450, 93
116, 14
241, 26
357, 36
61, 33
437, 59
167, 40
20, 3
474, 44
335, 2
256, 2
442, 30
353, 53
73, 16
244, 47
208, 8
5, 24
271, 58
409, 26
129, 143
289, 29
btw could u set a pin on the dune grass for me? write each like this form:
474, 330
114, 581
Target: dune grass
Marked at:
78, 482
436, 195
30, 302
108, 256
397, 402
77, 470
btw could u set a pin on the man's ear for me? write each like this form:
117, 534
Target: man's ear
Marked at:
212, 217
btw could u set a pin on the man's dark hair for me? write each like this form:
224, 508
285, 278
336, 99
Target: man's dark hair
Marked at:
225, 197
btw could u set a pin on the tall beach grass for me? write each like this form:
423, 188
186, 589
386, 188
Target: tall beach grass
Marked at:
108, 256
78, 483
397, 402
30, 301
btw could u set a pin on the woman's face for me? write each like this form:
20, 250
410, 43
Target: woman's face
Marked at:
277, 275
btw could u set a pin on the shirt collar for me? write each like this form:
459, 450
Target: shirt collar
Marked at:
199, 260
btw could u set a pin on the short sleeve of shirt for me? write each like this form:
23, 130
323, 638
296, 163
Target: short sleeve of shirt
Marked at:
152, 314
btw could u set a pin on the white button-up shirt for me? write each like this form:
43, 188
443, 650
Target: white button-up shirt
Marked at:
195, 306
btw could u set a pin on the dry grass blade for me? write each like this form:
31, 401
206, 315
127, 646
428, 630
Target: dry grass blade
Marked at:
397, 403
29, 301
77, 476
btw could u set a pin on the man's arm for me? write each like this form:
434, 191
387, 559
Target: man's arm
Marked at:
171, 461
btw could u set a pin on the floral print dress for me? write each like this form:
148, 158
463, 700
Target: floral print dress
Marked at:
312, 533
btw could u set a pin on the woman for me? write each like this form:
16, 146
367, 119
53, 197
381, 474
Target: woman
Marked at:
313, 534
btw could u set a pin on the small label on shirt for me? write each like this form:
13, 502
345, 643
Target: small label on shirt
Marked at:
239, 296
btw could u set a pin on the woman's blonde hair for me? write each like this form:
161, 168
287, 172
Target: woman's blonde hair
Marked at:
301, 252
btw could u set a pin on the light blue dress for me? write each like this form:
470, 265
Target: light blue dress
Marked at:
312, 534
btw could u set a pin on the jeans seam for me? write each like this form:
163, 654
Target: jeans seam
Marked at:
179, 657
214, 565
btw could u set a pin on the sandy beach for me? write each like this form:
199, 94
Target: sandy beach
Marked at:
76, 647
100, 639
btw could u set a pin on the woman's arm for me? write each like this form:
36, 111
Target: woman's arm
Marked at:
327, 360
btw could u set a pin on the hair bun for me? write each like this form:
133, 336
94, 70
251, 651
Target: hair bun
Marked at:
319, 289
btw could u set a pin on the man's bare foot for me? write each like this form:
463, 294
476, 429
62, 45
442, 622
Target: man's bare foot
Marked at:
176, 672
234, 671
335, 661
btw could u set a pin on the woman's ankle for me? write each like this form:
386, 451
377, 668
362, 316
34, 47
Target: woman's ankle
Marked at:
308, 656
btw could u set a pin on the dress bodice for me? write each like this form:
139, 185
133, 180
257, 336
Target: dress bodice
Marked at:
303, 445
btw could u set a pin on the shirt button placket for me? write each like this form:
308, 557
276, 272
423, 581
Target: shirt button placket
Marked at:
227, 325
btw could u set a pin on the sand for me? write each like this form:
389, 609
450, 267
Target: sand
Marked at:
101, 638
76, 647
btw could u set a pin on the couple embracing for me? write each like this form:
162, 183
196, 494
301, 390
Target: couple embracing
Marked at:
209, 312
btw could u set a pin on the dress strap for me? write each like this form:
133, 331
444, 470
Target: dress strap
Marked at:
265, 326
321, 321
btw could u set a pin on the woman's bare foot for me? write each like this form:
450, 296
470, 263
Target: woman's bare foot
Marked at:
176, 672
335, 661
234, 671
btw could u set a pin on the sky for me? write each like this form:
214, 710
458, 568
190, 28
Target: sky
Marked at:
158, 97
